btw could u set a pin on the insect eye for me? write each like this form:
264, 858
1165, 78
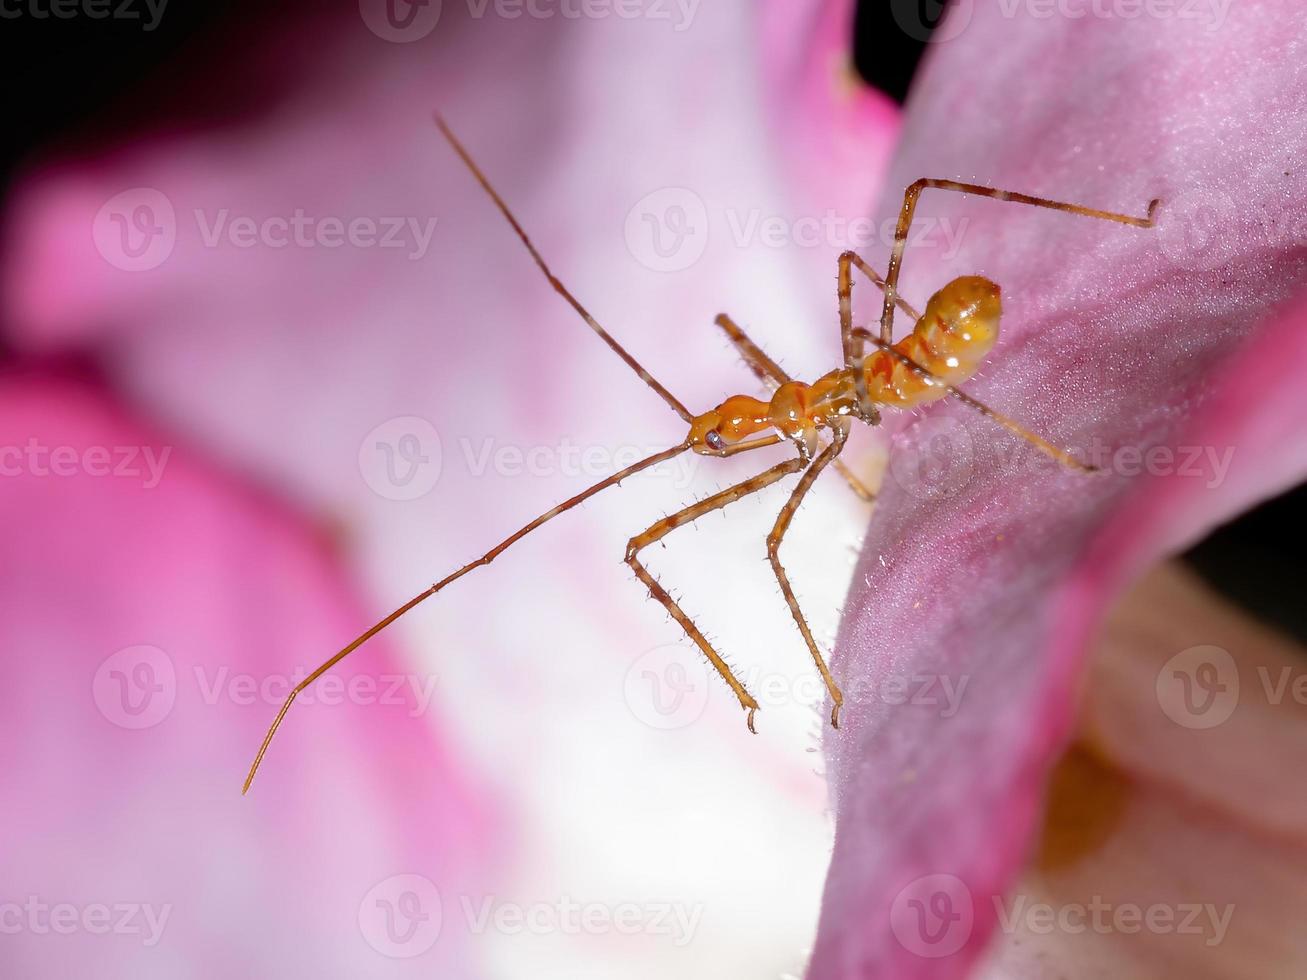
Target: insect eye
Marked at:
714, 440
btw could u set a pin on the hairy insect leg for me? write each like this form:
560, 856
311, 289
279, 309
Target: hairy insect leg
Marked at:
849, 340
661, 529
1013, 426
773, 554
913, 192
772, 376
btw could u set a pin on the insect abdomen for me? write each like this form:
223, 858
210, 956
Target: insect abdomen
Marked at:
952, 338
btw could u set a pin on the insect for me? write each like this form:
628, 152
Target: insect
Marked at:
948, 343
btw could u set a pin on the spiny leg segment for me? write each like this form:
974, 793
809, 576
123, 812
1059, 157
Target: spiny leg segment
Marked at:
1013, 426
827, 456
910, 197
852, 347
657, 531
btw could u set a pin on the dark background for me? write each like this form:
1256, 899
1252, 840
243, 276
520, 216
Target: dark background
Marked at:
81, 82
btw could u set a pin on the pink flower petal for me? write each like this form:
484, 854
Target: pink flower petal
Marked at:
834, 133
154, 613
993, 572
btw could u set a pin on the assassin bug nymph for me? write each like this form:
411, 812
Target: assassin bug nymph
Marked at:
946, 347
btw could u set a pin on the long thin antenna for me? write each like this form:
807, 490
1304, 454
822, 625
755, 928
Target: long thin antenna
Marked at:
607, 338
1016, 428
485, 559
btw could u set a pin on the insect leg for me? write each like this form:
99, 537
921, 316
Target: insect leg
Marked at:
664, 527
852, 343
1013, 426
771, 375
913, 192
773, 554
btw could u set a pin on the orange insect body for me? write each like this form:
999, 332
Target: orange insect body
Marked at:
947, 345
951, 341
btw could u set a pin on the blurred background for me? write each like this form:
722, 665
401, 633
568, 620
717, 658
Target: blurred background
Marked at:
227, 455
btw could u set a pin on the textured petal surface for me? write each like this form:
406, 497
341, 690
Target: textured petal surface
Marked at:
985, 571
154, 613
